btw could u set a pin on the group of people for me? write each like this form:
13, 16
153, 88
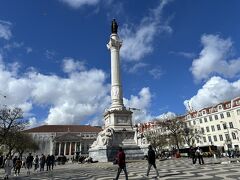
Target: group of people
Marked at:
122, 163
15, 164
196, 153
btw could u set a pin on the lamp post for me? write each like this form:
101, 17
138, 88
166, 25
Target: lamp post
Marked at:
133, 109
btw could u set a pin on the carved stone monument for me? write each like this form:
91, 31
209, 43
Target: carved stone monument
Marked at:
118, 129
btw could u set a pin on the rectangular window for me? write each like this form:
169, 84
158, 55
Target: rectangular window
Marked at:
195, 131
220, 137
204, 139
207, 129
210, 118
202, 130
218, 127
224, 126
213, 128
189, 123
228, 114
230, 124
227, 137
234, 136
205, 119
200, 120
210, 139
216, 117
222, 116
238, 112
215, 138
194, 122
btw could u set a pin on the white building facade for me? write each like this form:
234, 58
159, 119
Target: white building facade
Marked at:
64, 140
219, 124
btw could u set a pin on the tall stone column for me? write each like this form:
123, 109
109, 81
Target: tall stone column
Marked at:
65, 147
59, 149
114, 46
70, 148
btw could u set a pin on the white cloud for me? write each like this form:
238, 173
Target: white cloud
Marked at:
73, 99
28, 50
188, 55
168, 115
136, 67
214, 91
214, 58
138, 40
156, 72
5, 30
141, 102
50, 54
71, 65
79, 3
81, 96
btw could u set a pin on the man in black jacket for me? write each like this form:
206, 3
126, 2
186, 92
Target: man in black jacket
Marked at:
151, 160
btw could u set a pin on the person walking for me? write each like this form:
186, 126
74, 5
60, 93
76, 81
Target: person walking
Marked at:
29, 162
121, 163
42, 162
8, 165
48, 161
151, 160
52, 160
192, 154
18, 167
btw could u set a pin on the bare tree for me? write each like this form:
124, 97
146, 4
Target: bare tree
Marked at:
11, 121
190, 135
174, 128
158, 141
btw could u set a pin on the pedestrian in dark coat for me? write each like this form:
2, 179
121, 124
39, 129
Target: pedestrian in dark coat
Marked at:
29, 162
48, 161
121, 163
52, 159
151, 160
192, 154
42, 162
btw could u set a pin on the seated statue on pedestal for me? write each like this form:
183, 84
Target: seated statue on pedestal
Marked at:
104, 138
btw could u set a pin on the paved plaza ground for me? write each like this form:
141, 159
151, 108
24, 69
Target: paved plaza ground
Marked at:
169, 169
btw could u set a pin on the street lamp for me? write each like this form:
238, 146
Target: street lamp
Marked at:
133, 109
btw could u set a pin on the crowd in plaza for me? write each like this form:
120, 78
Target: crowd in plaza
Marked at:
36, 163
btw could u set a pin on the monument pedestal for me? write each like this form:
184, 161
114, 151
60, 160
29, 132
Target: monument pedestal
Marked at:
118, 132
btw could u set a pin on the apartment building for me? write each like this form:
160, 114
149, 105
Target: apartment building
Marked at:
219, 125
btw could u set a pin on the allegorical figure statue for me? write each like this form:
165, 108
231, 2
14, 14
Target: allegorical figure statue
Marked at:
114, 26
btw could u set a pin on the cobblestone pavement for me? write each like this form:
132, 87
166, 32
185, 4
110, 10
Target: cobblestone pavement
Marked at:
168, 169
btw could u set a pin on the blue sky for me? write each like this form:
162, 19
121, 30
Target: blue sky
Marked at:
176, 55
